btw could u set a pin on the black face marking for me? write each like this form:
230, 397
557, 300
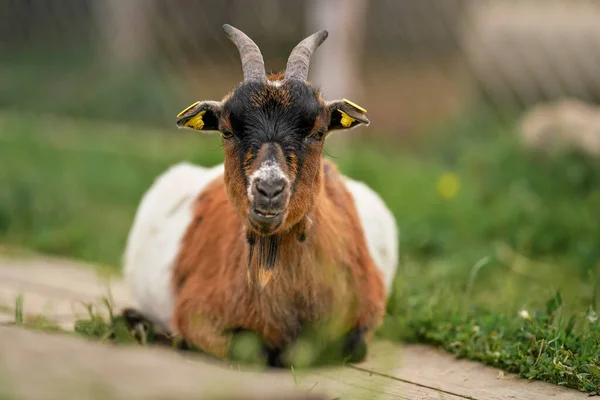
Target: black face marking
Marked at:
261, 113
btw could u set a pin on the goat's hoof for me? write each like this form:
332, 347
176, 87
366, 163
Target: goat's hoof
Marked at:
355, 346
275, 359
143, 330
136, 322
133, 317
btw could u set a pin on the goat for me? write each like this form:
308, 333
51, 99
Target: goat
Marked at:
273, 241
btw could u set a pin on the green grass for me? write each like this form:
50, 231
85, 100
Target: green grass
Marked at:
499, 254
19, 310
71, 188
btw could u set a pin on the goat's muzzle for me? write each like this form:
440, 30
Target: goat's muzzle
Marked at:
268, 205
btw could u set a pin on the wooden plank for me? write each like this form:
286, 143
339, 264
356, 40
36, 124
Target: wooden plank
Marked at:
48, 289
391, 371
6, 318
153, 373
48, 274
57, 289
40, 366
349, 383
439, 370
342, 382
51, 305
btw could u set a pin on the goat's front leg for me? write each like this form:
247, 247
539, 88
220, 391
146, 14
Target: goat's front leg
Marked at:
205, 331
201, 329
370, 311
238, 345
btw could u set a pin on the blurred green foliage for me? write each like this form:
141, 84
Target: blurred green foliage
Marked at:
487, 229
69, 82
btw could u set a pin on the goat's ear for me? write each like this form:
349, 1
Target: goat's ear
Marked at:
201, 116
346, 115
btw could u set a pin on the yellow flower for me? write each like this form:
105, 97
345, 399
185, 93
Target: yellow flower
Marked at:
448, 185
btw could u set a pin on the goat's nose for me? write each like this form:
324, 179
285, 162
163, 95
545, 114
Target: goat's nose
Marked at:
270, 188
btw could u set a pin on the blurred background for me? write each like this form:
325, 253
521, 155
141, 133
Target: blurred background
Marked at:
484, 138
413, 62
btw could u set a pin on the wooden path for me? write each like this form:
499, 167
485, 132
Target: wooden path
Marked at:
42, 366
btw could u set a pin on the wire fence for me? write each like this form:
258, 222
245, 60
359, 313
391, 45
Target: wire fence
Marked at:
411, 62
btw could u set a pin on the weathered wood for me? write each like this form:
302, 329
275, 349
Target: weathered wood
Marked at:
6, 318
41, 366
391, 371
49, 304
349, 383
62, 276
439, 370
80, 369
58, 289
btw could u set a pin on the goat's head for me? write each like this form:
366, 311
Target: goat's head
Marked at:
273, 128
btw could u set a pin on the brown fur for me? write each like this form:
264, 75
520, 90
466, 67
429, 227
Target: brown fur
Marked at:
323, 275
235, 180
276, 76
329, 278
269, 92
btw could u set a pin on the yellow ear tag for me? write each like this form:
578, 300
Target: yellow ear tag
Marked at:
346, 119
355, 105
196, 121
187, 109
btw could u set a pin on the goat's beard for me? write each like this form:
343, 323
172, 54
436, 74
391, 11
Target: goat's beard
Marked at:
265, 250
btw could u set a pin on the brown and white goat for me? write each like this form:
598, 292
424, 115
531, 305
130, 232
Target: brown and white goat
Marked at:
274, 241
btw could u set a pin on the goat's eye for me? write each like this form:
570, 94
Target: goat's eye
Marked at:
226, 134
317, 136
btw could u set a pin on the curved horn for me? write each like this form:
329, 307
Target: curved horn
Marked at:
253, 64
299, 60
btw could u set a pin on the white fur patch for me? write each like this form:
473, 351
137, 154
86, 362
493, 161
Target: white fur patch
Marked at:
161, 220
379, 226
275, 83
268, 170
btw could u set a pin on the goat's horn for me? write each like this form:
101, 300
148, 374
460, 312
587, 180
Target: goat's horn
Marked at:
253, 64
299, 60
